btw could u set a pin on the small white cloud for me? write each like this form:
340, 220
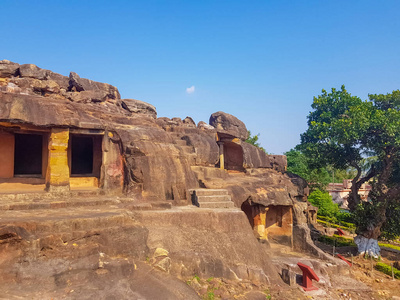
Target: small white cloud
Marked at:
190, 90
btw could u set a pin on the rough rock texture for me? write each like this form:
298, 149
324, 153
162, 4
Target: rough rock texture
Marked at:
158, 160
255, 157
201, 242
80, 253
137, 106
228, 124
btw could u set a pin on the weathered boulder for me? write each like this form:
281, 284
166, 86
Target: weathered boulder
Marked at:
188, 121
203, 125
32, 71
254, 157
8, 68
228, 124
78, 84
279, 162
139, 107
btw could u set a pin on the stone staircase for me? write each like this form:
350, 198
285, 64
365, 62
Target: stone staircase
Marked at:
211, 198
188, 151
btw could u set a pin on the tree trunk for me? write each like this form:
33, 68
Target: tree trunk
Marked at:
367, 246
367, 241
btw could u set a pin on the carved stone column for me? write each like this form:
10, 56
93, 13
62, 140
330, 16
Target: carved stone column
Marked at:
57, 175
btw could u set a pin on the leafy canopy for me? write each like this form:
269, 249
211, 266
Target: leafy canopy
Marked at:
344, 131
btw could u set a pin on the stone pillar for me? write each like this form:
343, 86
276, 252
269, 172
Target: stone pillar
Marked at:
221, 155
57, 175
112, 169
260, 222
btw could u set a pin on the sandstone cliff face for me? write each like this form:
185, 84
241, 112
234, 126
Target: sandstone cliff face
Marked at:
144, 159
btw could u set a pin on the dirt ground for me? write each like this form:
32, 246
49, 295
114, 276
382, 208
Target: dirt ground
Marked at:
360, 283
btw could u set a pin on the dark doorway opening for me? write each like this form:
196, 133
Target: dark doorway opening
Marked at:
81, 155
233, 154
28, 154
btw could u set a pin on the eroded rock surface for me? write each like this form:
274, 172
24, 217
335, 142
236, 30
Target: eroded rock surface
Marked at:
153, 163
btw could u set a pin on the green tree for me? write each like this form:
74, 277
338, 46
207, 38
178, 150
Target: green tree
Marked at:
297, 163
253, 140
343, 131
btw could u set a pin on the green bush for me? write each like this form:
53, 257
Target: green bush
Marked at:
384, 268
322, 200
336, 240
344, 216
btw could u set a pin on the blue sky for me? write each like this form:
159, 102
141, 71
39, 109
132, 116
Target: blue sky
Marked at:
262, 61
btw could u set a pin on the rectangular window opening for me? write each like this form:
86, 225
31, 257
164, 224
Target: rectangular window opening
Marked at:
85, 156
28, 155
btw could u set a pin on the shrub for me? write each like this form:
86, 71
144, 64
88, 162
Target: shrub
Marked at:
384, 268
329, 224
335, 221
336, 240
322, 200
389, 246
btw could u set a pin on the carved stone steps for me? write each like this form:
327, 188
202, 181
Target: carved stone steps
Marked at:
224, 204
211, 198
209, 192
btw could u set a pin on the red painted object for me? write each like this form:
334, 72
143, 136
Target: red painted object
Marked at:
308, 276
340, 231
342, 258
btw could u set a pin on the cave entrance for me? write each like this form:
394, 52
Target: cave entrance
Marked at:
28, 155
273, 223
233, 156
85, 160
23, 160
279, 223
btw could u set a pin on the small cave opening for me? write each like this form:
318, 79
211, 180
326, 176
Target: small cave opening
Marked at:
247, 209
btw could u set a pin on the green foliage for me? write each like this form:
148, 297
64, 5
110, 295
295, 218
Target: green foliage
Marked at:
336, 240
267, 294
343, 217
384, 268
210, 296
366, 214
345, 132
297, 163
391, 228
322, 200
253, 140
336, 128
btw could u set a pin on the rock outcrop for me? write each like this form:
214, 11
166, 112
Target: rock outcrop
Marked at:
154, 163
228, 124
